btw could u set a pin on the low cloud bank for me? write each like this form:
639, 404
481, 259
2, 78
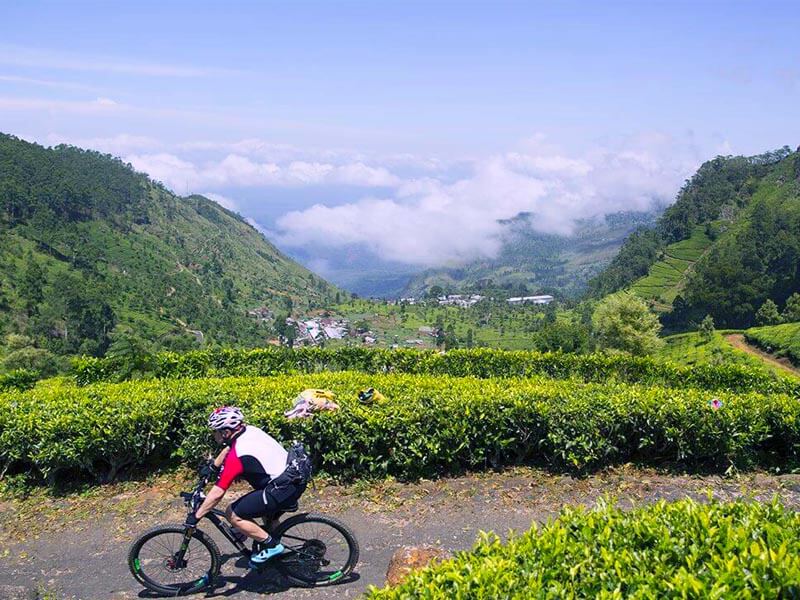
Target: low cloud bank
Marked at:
427, 222
415, 209
242, 171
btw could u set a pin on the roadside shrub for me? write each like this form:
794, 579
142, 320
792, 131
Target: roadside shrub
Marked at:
428, 426
476, 362
668, 550
91, 432
784, 340
38, 360
19, 379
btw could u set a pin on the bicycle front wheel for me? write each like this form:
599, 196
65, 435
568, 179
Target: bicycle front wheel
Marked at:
154, 563
319, 550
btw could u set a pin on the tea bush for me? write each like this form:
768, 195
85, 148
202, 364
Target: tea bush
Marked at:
428, 426
784, 340
19, 379
668, 550
483, 363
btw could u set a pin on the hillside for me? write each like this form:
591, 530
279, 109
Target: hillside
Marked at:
531, 261
90, 250
730, 242
667, 276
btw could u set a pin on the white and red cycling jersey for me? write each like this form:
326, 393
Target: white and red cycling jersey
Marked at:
255, 456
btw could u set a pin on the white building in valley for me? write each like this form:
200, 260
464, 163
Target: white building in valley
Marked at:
544, 299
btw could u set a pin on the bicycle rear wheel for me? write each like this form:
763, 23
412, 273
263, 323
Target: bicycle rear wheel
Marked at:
152, 561
319, 550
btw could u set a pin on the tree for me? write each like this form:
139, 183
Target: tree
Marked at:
440, 337
707, 328
623, 322
469, 342
229, 292
4, 304
280, 326
291, 335
550, 313
132, 353
450, 340
791, 313
435, 291
41, 361
768, 314
32, 285
562, 336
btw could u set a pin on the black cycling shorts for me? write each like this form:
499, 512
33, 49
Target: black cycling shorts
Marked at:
265, 503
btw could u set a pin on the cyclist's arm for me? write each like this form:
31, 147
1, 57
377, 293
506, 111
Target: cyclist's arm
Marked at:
231, 469
213, 498
221, 456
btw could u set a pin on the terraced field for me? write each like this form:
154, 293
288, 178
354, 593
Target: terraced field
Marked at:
666, 277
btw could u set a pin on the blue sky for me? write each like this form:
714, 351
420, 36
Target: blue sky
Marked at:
337, 124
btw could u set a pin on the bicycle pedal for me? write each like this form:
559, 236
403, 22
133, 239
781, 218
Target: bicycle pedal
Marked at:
257, 567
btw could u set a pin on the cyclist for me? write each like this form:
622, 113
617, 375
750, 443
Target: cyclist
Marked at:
257, 457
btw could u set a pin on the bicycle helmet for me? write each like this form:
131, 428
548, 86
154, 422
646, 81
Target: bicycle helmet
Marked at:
225, 417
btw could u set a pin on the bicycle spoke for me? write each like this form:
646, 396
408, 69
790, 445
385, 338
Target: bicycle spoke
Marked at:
158, 553
318, 551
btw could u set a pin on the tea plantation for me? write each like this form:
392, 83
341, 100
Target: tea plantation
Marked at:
467, 410
783, 340
678, 550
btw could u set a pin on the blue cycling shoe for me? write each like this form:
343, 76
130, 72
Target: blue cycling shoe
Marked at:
259, 558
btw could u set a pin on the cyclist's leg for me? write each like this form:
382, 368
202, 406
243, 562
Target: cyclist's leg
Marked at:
243, 512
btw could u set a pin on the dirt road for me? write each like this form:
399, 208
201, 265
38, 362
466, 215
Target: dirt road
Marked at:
737, 341
76, 547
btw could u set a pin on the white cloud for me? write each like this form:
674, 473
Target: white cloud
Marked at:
223, 201
428, 222
99, 105
167, 168
118, 145
238, 170
20, 56
66, 85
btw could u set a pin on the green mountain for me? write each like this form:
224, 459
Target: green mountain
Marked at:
530, 261
90, 249
730, 242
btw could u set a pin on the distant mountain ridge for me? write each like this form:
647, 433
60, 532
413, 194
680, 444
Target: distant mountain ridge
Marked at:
730, 242
531, 261
89, 248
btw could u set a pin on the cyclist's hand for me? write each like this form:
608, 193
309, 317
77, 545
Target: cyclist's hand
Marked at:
191, 520
209, 471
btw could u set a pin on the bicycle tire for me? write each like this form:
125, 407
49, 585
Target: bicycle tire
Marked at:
309, 574
196, 584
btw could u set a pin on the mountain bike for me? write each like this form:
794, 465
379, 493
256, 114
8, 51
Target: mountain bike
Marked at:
176, 560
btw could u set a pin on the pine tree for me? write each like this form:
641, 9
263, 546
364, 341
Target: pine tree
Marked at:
32, 285
707, 328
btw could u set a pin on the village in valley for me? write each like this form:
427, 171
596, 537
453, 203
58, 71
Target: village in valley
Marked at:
326, 328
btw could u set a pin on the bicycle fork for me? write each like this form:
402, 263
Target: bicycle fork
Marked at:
178, 560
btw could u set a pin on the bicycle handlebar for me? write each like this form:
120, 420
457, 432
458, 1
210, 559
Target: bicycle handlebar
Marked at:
195, 498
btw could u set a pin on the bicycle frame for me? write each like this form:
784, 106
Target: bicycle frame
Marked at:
217, 518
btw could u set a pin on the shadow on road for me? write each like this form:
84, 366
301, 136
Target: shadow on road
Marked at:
267, 581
